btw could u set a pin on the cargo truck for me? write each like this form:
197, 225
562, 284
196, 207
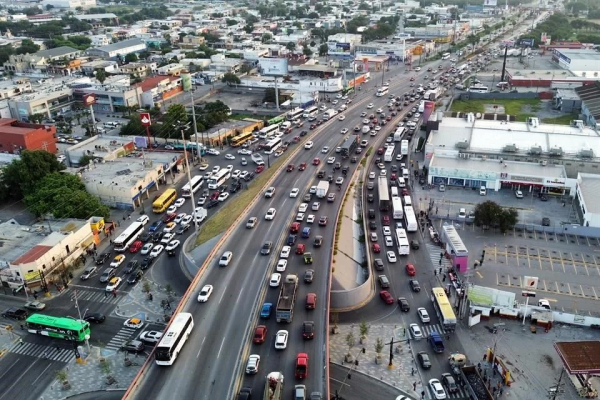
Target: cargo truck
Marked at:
475, 384
322, 189
287, 298
274, 386
329, 114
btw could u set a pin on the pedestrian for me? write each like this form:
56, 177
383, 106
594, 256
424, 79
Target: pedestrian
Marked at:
20, 341
440, 261
501, 391
415, 386
489, 386
115, 294
494, 391
485, 375
499, 384
479, 364
105, 294
444, 278
494, 371
448, 337
422, 394
412, 371
57, 348
436, 210
35, 296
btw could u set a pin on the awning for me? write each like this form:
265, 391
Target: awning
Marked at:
286, 103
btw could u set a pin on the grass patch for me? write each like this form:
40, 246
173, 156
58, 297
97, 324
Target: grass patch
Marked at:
562, 120
512, 107
226, 216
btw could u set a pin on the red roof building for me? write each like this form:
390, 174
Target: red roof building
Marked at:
17, 136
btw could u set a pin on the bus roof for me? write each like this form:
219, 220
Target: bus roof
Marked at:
166, 194
59, 322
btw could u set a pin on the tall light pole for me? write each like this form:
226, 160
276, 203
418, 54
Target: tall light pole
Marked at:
87, 337
189, 175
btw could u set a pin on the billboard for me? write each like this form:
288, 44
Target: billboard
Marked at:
89, 99
273, 66
490, 3
474, 8
527, 42
186, 81
344, 46
145, 118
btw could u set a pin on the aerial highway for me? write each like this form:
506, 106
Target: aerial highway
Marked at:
212, 362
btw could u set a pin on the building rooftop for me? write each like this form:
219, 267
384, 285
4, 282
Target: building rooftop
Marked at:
494, 136
590, 96
12, 126
92, 17
580, 54
119, 45
567, 94
589, 185
57, 52
581, 357
537, 74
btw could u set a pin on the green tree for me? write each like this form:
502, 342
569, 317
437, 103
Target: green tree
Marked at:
231, 22
37, 118
313, 15
323, 50
491, 214
64, 196
266, 37
27, 47
5, 53
251, 19
20, 177
291, 46
307, 51
248, 28
131, 58
230, 78
85, 160
245, 69
101, 75
176, 116
507, 219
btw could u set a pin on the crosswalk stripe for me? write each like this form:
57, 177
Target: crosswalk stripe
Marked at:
123, 335
98, 296
38, 351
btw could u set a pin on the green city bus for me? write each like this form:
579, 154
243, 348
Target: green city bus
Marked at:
58, 327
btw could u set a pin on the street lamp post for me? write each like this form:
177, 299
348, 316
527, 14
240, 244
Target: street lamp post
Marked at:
87, 337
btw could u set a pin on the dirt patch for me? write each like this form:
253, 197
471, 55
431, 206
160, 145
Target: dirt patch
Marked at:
547, 359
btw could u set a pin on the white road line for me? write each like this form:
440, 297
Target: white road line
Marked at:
199, 351
223, 294
221, 347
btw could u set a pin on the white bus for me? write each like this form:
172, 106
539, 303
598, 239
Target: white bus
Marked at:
403, 244
411, 220
404, 147
173, 340
382, 91
268, 131
478, 89
128, 236
295, 113
389, 154
272, 146
311, 112
197, 182
445, 56
398, 212
219, 178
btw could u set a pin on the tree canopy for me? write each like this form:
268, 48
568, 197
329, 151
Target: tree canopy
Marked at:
491, 214
230, 78
21, 177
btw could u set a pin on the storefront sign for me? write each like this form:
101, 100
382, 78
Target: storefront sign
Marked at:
555, 182
520, 178
462, 174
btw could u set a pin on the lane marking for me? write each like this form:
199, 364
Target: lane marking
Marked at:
202, 344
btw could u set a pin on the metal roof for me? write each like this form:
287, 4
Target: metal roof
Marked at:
580, 357
590, 96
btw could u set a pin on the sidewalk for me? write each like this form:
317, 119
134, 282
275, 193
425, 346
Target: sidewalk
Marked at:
399, 377
348, 272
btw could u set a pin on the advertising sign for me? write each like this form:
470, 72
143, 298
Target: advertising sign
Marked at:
490, 3
89, 99
527, 42
145, 118
530, 282
345, 46
273, 66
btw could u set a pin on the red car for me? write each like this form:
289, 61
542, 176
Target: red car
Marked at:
301, 366
388, 118
259, 169
380, 151
300, 248
313, 126
410, 270
404, 192
375, 121
215, 195
316, 161
297, 139
302, 167
288, 130
386, 296
371, 116
319, 122
169, 217
135, 246
385, 219
290, 168
295, 228
260, 333
412, 78
376, 248
393, 177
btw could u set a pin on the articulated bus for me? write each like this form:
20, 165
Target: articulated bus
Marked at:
164, 201
268, 131
173, 340
294, 114
197, 182
128, 236
311, 111
382, 91
272, 146
57, 327
443, 309
403, 244
219, 178
240, 139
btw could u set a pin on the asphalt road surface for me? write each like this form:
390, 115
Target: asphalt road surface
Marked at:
359, 386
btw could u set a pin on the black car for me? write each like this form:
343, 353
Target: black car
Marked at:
249, 177
136, 276
102, 258
370, 197
337, 165
309, 275
131, 266
394, 168
15, 313
96, 318
307, 197
147, 262
545, 221
303, 133
371, 213
182, 229
330, 178
245, 394
424, 360
321, 174
421, 180
354, 160
308, 330
235, 186
266, 248
378, 264
449, 382
345, 170
156, 237
291, 240
414, 285
134, 346
146, 236
372, 226
404, 306
318, 241
414, 244
211, 203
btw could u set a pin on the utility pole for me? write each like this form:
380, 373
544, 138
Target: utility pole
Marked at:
391, 344
557, 390
189, 175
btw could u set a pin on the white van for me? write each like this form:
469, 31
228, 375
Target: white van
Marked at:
407, 201
401, 182
405, 173
394, 191
482, 191
112, 124
285, 125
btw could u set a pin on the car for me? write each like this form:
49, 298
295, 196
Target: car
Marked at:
410, 270
131, 266
339, 181
403, 304
236, 174
179, 218
519, 194
117, 261
378, 264
301, 366
302, 166
266, 309
415, 331
385, 220
318, 241
300, 248
308, 330
281, 339
285, 252
310, 219
414, 285
202, 200
437, 389
166, 238
342, 117
266, 248
376, 248
545, 221
270, 192
270, 215
386, 230
325, 150
157, 250
386, 297
300, 216
462, 213
205, 293
96, 318
331, 197
88, 272
316, 161
15, 313
223, 196
442, 187
344, 131
391, 256
449, 382
134, 323
151, 336
134, 277
213, 152
330, 160
257, 170
134, 346
113, 284
229, 157
102, 258
370, 105
424, 360
35, 305
170, 227
251, 222
275, 280
414, 244
225, 259
179, 202
372, 175
303, 207
290, 168
172, 210
144, 219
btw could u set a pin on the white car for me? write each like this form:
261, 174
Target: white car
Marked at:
223, 196
167, 238
285, 252
281, 265
312, 190
370, 105
519, 194
244, 152
143, 219
134, 323
294, 192
416, 331
344, 130
157, 250
225, 259
216, 169
365, 121
151, 336
399, 157
186, 220
303, 207
229, 167
379, 111
308, 145
252, 364
391, 256
342, 117
300, 217
338, 96
270, 215
113, 284
118, 260
325, 149
281, 340
205, 293
203, 167
244, 174
172, 209
213, 152
372, 175
310, 219
330, 160
179, 202
179, 218
438, 390
377, 128
173, 244
389, 243
236, 173
423, 315
170, 227
229, 157
383, 172
147, 248
208, 175
275, 280
387, 231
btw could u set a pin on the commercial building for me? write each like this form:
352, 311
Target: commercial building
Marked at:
590, 103
115, 92
71, 4
40, 61
580, 62
567, 101
342, 44
51, 101
586, 199
118, 49
17, 136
